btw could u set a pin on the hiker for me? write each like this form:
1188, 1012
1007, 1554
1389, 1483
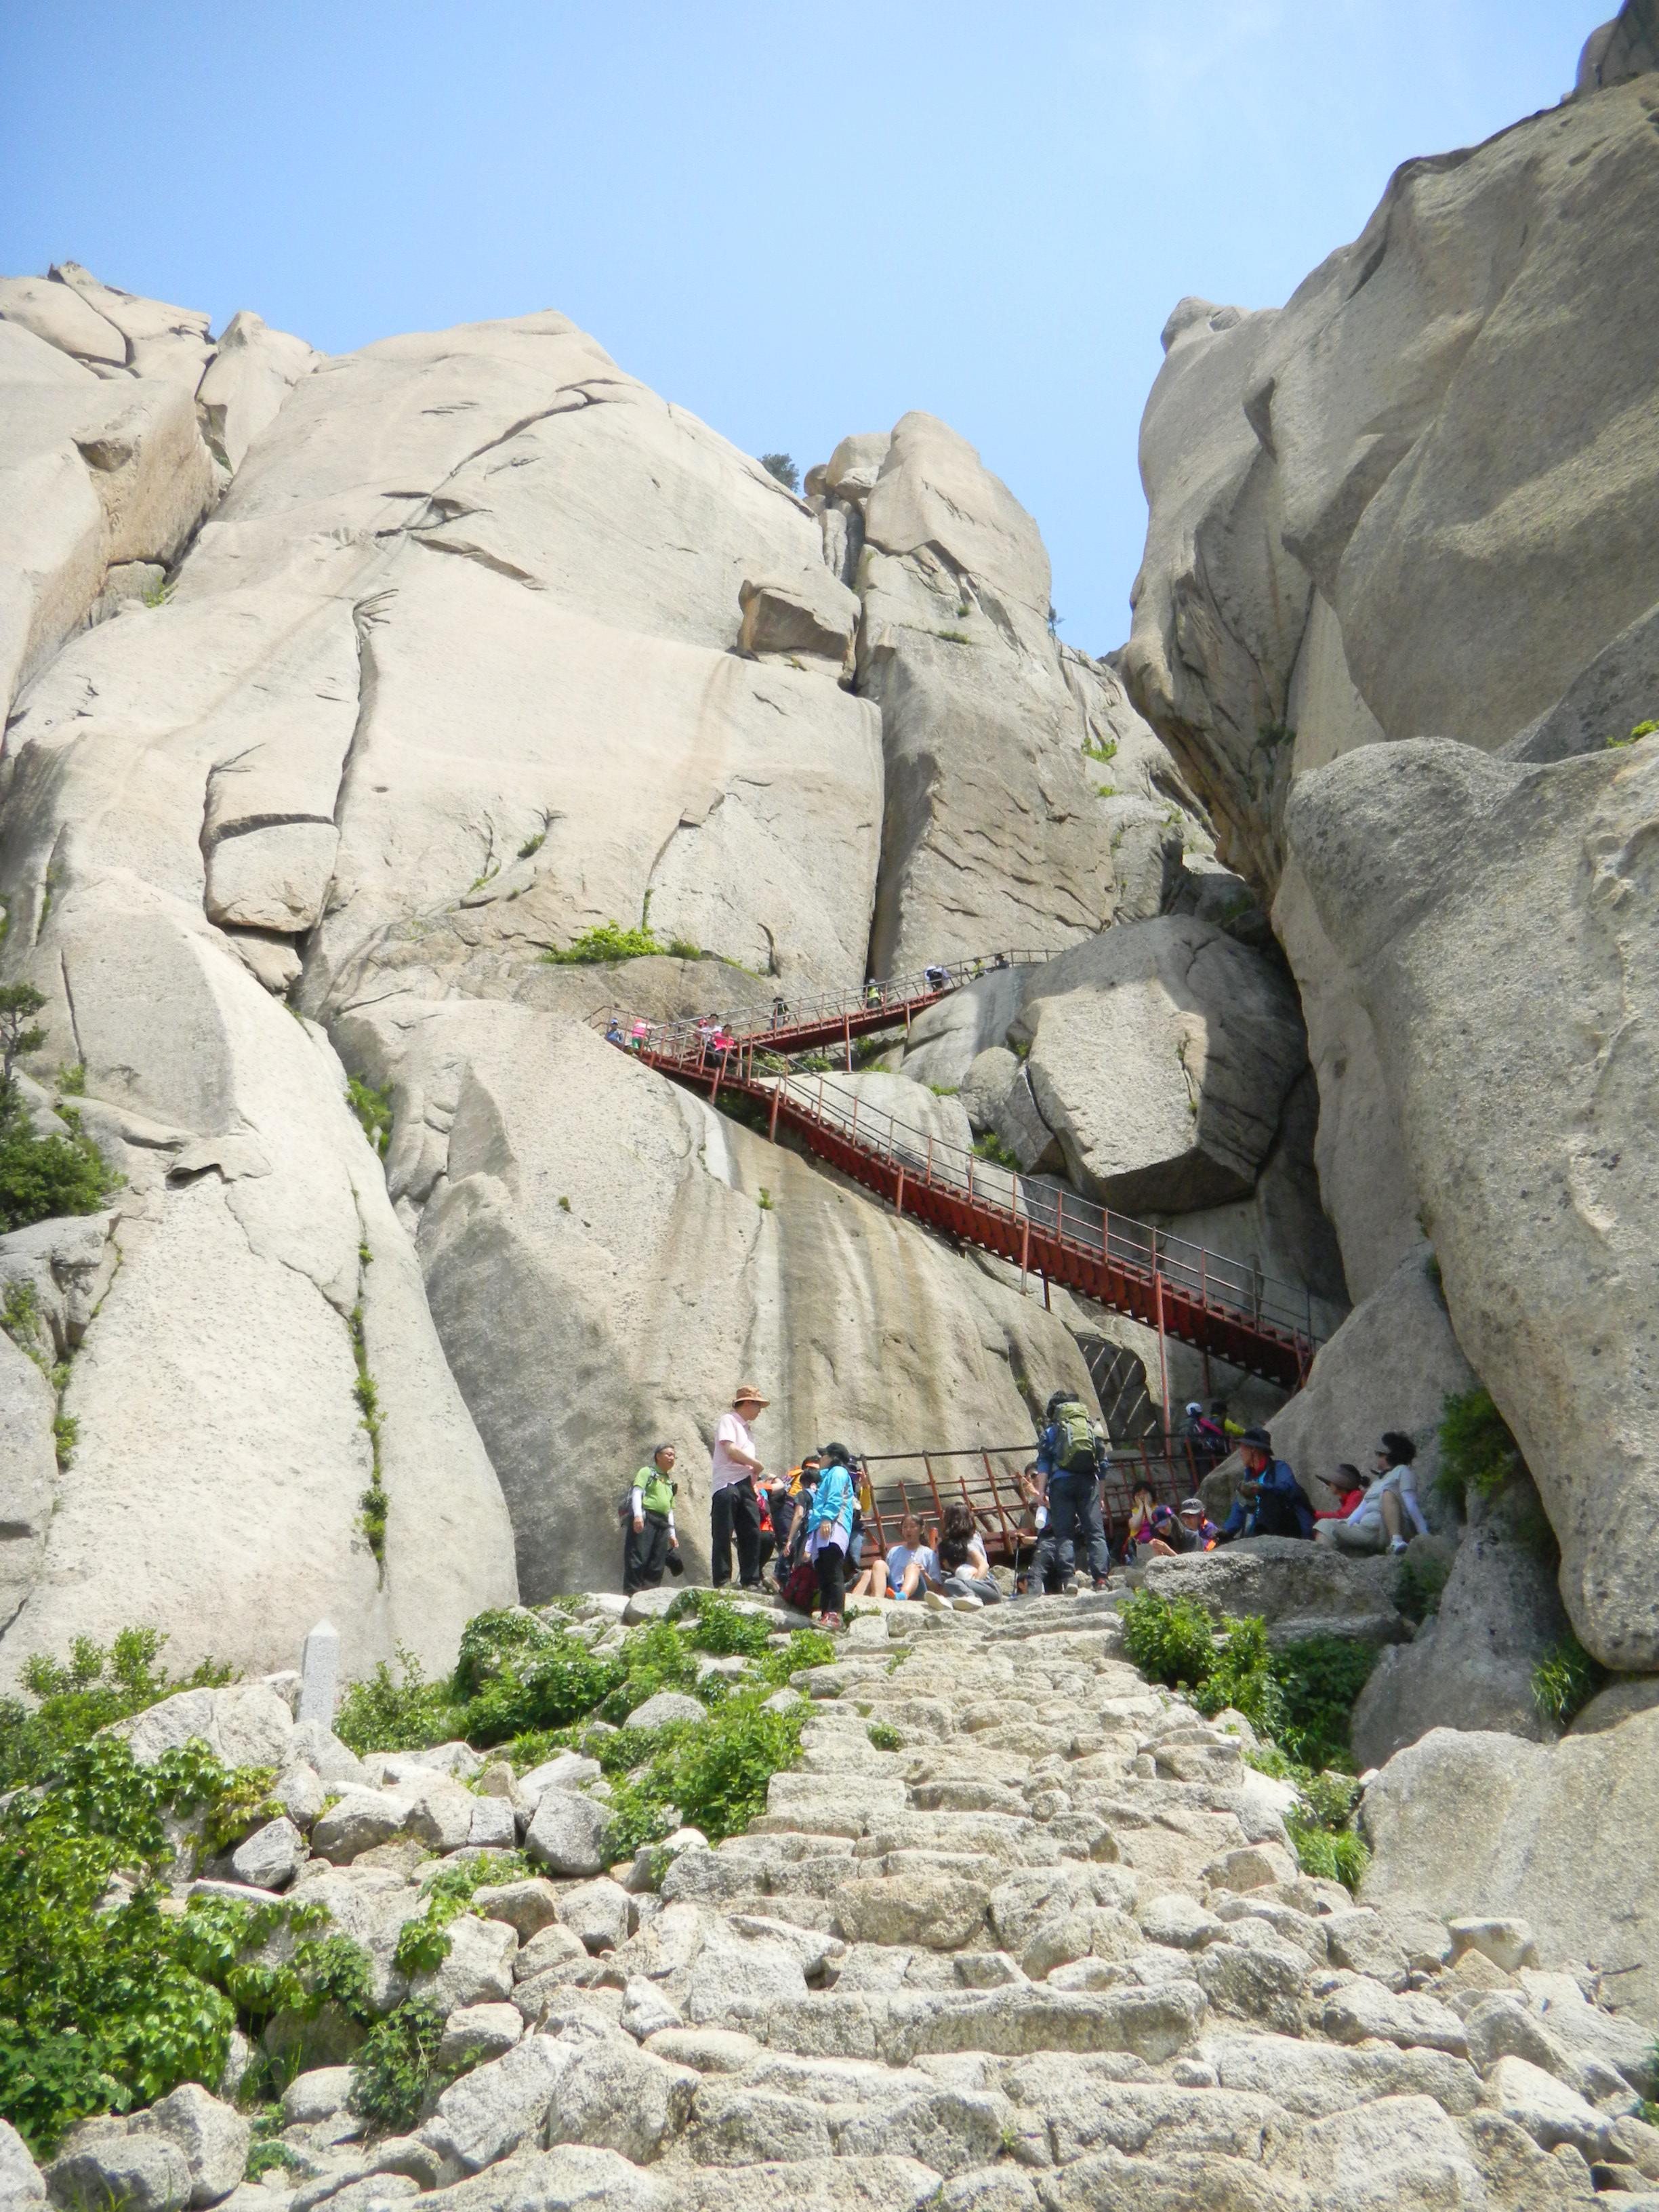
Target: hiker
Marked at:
1194, 1531
637, 1036
779, 1010
936, 977
1069, 1456
1033, 1519
1270, 1502
733, 1509
829, 1531
1207, 1439
613, 1031
650, 1543
1143, 1508
965, 1582
912, 1567
1388, 1515
869, 1578
1348, 1489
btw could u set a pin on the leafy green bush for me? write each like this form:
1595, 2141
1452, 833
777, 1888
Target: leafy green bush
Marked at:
711, 1775
44, 1177
396, 2069
1477, 1451
782, 466
373, 1107
1564, 1680
383, 1715
883, 1735
1300, 1699
1319, 1677
107, 2000
100, 1684
1418, 1586
609, 941
1171, 1640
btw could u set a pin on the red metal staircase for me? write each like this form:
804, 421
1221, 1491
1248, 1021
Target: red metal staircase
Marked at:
1219, 1306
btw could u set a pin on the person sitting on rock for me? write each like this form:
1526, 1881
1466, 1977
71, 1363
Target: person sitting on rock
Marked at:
1143, 1508
964, 1570
1348, 1488
912, 1565
1389, 1513
1270, 1502
650, 1544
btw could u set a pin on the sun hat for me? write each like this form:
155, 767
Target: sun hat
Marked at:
747, 1394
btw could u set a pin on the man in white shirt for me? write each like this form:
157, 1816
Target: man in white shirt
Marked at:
733, 1508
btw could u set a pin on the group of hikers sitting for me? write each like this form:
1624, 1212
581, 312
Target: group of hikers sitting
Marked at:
814, 1537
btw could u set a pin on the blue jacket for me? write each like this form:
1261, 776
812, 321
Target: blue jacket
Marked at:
834, 1500
1275, 1476
1049, 1444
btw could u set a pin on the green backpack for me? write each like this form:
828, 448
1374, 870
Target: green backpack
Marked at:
1074, 1439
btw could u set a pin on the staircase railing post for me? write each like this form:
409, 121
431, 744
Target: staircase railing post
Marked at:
772, 1121
1163, 1353
1024, 1251
898, 1194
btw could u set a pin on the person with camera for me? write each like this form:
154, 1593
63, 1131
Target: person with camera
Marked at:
649, 1543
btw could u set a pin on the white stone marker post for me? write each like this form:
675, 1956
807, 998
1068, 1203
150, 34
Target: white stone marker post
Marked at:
319, 1672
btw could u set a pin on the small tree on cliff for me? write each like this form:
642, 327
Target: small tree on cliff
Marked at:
19, 1031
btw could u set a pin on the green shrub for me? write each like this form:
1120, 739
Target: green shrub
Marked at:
42, 1178
1564, 1680
782, 466
1641, 730
1418, 1586
100, 1683
606, 940
711, 1775
423, 1942
383, 1715
1241, 1674
991, 1147
1328, 1857
883, 1735
1171, 1640
106, 2000
373, 1107
1477, 1451
396, 2069
1319, 1677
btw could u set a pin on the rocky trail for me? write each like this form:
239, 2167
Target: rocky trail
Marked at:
1018, 1933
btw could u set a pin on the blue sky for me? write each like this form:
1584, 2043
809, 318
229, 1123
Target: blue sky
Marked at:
795, 221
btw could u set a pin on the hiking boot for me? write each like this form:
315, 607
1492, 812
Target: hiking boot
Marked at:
1068, 1587
1100, 1582
832, 1621
936, 1603
968, 1604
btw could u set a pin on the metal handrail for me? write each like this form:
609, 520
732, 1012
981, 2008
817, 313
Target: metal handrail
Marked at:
1231, 1286
752, 1024
997, 1507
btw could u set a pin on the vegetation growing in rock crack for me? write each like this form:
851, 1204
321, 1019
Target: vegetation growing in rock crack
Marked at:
41, 1177
1419, 1585
1564, 1680
1100, 749
1477, 1451
374, 1504
1300, 1697
609, 941
373, 1107
991, 1147
782, 466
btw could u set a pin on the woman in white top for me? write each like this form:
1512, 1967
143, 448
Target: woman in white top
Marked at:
1389, 1514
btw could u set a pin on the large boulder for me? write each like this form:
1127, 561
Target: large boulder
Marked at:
994, 833
1298, 1589
250, 376
1558, 1835
1160, 1054
1470, 1665
1469, 894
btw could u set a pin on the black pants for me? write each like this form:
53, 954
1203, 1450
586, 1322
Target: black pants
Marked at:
1074, 1518
645, 1551
734, 1512
832, 1578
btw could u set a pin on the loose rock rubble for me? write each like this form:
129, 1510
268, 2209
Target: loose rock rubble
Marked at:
1053, 1951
